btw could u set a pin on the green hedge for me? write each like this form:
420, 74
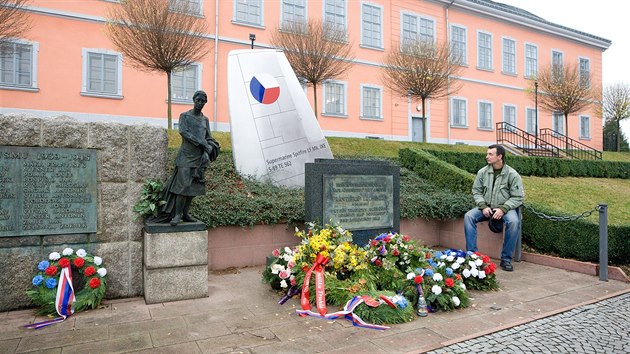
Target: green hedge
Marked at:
440, 173
540, 166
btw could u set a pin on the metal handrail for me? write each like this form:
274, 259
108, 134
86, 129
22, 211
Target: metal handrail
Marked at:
572, 147
524, 141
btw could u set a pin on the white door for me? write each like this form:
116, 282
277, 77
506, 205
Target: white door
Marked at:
417, 129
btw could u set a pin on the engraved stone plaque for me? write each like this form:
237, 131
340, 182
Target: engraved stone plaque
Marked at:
359, 201
47, 191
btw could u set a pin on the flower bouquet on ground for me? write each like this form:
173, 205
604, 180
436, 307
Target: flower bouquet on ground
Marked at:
478, 272
444, 290
279, 273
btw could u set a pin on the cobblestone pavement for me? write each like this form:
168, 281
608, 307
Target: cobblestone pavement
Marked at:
603, 327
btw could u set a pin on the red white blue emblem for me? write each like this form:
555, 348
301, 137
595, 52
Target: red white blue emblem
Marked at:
264, 88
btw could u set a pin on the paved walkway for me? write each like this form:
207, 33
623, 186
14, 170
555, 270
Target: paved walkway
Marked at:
241, 316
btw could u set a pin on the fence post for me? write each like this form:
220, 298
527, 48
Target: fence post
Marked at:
603, 242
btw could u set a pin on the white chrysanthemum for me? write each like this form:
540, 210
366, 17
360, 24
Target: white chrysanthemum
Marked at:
296, 229
472, 264
443, 256
411, 276
81, 253
454, 265
102, 272
474, 256
441, 264
482, 274
474, 272
461, 260
479, 262
456, 301
462, 285
53, 256
98, 260
450, 258
283, 283
67, 251
438, 277
466, 273
288, 250
436, 289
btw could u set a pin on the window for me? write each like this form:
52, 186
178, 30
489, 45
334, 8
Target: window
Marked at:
18, 64
335, 13
484, 50
416, 27
190, 6
509, 116
248, 12
531, 60
485, 115
585, 72
585, 127
371, 26
459, 112
371, 102
335, 98
557, 58
184, 82
293, 12
558, 122
458, 44
102, 73
509, 56
530, 121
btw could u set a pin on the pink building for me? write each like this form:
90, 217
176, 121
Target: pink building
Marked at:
66, 65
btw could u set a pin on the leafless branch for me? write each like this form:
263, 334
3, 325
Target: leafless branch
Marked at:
14, 20
616, 106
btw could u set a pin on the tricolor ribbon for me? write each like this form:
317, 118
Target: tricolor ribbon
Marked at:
320, 288
347, 312
64, 301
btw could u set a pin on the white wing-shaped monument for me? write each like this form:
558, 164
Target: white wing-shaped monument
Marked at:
274, 129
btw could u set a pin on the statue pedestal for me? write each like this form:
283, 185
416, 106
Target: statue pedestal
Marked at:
175, 263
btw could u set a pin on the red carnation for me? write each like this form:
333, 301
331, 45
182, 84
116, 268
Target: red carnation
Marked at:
478, 254
417, 279
79, 262
427, 255
406, 238
387, 239
51, 270
395, 252
449, 282
490, 268
95, 283
89, 271
458, 277
378, 263
64, 262
485, 259
374, 243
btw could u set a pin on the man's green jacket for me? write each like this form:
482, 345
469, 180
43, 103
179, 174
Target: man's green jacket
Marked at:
506, 192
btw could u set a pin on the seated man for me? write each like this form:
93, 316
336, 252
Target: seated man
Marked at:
498, 192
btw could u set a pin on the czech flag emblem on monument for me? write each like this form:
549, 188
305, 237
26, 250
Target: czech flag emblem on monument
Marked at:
274, 130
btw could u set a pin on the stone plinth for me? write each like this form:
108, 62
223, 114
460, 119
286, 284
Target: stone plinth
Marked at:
175, 266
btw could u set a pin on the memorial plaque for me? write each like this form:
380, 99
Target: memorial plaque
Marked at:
47, 191
359, 202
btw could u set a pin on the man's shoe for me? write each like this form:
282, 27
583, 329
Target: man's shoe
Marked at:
176, 220
507, 266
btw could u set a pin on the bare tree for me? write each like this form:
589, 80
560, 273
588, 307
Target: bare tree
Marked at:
14, 21
561, 89
422, 69
158, 35
316, 51
616, 106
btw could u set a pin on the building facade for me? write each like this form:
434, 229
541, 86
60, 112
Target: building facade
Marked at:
66, 65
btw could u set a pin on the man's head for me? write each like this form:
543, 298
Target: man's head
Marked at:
199, 99
495, 155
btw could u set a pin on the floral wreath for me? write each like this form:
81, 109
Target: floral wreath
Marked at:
89, 267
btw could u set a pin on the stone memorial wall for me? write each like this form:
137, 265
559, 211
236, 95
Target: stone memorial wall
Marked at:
65, 183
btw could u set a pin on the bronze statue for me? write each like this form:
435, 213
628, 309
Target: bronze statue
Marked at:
198, 149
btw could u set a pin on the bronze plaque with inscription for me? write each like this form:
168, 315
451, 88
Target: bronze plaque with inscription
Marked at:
359, 201
47, 191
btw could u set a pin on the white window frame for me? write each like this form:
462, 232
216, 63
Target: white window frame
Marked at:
491, 65
515, 108
378, 45
199, 69
343, 114
534, 74
237, 21
554, 51
588, 128
199, 3
345, 13
529, 122
557, 119
380, 102
452, 116
504, 69
84, 73
484, 102
34, 64
588, 61
293, 3
419, 18
464, 57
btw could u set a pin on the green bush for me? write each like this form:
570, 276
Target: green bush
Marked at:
440, 173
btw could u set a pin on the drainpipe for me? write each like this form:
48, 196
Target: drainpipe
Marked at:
448, 85
216, 61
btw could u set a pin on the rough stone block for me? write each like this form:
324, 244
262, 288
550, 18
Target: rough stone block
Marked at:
135, 269
20, 129
136, 222
19, 266
19, 241
175, 249
114, 212
174, 284
112, 140
64, 131
149, 146
117, 261
64, 239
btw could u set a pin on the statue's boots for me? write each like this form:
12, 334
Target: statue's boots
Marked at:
186, 217
180, 204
